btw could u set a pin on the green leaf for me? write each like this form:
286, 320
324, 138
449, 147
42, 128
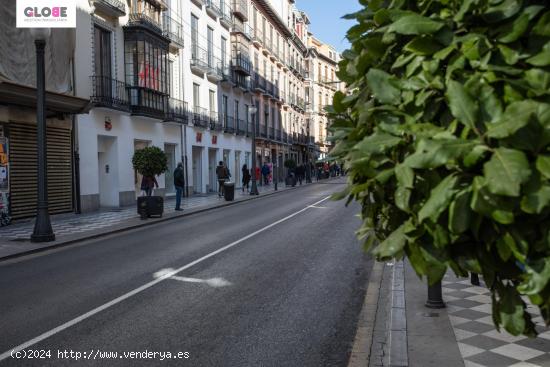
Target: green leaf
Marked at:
510, 56
391, 245
405, 176
504, 10
423, 46
475, 155
542, 58
439, 200
432, 153
415, 24
511, 310
538, 276
543, 165
460, 212
383, 86
516, 116
462, 105
484, 202
506, 171
542, 28
377, 143
536, 199
538, 79
518, 28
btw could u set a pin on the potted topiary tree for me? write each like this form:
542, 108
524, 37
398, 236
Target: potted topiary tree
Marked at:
150, 162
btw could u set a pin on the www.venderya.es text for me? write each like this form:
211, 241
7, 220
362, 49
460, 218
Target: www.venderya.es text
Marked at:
95, 354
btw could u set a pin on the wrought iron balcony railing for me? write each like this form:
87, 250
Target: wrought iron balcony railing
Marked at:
173, 29
199, 58
147, 18
200, 117
147, 102
215, 124
226, 17
110, 93
241, 63
177, 111
114, 7
229, 124
241, 127
240, 9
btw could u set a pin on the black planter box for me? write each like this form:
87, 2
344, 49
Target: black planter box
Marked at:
148, 206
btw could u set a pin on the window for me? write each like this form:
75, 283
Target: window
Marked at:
102, 52
224, 51
196, 95
194, 33
210, 42
146, 65
212, 101
236, 113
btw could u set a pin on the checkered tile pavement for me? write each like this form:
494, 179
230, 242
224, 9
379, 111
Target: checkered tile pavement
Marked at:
75, 224
469, 309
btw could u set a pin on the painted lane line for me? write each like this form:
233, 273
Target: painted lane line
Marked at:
144, 287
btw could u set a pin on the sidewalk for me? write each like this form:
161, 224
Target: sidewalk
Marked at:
70, 227
406, 333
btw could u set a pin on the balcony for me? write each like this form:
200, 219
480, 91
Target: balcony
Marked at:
215, 72
257, 37
149, 20
200, 117
227, 77
147, 102
177, 111
215, 124
228, 124
114, 8
241, 63
109, 93
225, 19
249, 127
258, 83
173, 30
242, 83
285, 137
261, 131
213, 8
242, 28
271, 133
268, 91
241, 127
199, 60
240, 9
198, 3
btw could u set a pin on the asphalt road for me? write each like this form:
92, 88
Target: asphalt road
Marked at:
286, 281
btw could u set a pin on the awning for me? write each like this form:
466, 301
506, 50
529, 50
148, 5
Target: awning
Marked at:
21, 95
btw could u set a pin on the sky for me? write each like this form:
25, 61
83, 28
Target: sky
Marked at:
326, 23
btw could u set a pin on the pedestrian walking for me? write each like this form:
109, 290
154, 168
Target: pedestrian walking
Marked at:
223, 175
265, 173
179, 184
148, 183
300, 173
246, 177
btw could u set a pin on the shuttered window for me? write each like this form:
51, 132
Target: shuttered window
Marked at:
23, 175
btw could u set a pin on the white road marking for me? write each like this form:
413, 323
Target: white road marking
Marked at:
213, 282
318, 207
163, 276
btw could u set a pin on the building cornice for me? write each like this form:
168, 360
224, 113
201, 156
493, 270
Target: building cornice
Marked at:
272, 14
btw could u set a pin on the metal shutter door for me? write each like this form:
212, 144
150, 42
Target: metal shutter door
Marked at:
23, 183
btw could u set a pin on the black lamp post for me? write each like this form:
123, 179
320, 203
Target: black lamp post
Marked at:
254, 188
43, 231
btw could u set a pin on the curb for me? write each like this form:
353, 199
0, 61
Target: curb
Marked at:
150, 222
360, 354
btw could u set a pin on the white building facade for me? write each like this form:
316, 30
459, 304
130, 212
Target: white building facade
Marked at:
182, 75
158, 74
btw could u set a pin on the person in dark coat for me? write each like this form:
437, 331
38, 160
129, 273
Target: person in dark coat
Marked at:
223, 175
179, 183
300, 173
246, 177
148, 183
265, 173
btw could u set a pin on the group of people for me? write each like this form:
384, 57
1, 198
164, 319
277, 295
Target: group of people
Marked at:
301, 172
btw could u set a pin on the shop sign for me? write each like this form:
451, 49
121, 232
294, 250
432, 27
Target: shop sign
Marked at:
198, 138
214, 139
46, 14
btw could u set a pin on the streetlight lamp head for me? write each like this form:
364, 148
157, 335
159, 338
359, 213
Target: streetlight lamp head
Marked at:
253, 110
40, 34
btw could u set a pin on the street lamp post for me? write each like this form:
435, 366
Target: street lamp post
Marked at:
254, 188
43, 231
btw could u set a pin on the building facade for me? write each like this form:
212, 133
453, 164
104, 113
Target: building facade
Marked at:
181, 75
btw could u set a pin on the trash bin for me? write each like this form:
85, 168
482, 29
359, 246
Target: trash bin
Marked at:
229, 191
